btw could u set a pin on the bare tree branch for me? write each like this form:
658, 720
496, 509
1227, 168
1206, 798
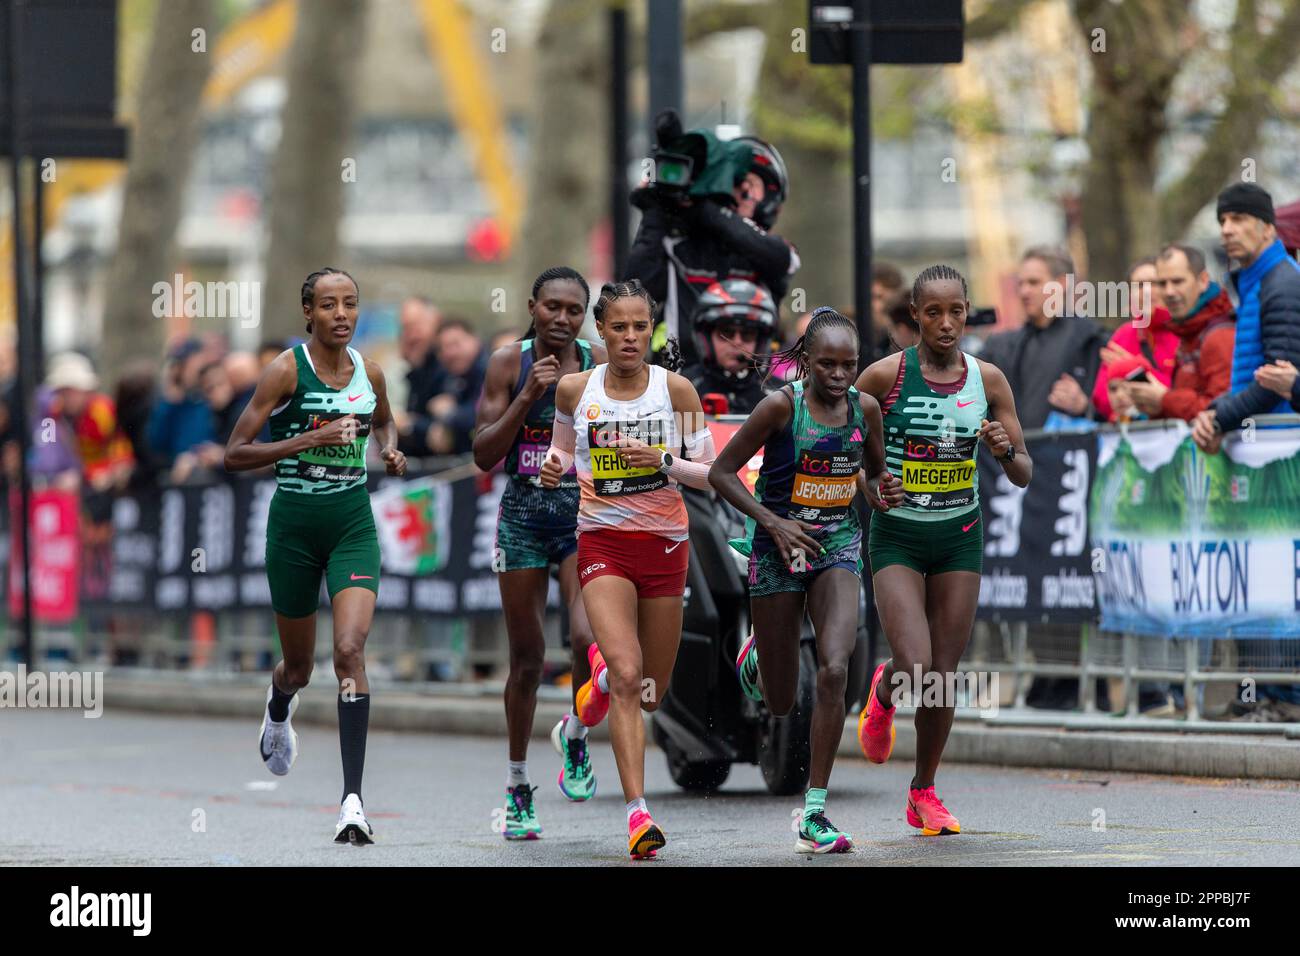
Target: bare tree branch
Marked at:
1235, 133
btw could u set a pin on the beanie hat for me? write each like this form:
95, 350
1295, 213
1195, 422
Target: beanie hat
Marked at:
1248, 198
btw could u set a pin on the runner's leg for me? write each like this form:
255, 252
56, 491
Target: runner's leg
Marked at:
951, 600
611, 604
523, 600
833, 606
777, 622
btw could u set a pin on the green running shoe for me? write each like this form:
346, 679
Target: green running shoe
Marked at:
747, 670
819, 835
577, 780
521, 816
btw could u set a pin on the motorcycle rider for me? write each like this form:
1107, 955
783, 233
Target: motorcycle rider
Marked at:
733, 325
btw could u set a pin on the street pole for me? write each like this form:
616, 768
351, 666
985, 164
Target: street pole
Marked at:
25, 352
619, 206
860, 53
664, 58
860, 48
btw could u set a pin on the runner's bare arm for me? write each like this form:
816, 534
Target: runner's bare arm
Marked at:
691, 468
768, 417
277, 385
499, 417
559, 457
1002, 430
878, 485
382, 426
878, 378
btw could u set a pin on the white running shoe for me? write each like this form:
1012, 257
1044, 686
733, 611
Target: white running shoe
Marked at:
557, 736
353, 827
278, 742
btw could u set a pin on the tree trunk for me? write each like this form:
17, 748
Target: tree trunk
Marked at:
567, 181
1132, 82
308, 174
161, 149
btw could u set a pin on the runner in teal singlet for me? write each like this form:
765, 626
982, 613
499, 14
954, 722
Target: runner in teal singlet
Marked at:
926, 555
537, 529
324, 401
804, 539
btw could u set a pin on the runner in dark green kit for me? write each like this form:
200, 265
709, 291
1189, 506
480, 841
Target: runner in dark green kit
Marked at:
324, 402
927, 553
537, 528
804, 539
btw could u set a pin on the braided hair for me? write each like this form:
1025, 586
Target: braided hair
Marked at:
822, 319
670, 356
553, 273
934, 273
309, 287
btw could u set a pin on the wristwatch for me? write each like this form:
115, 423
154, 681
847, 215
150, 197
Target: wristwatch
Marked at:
665, 461
1010, 455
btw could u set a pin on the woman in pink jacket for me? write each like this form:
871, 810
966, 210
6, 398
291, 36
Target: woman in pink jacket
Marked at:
1136, 343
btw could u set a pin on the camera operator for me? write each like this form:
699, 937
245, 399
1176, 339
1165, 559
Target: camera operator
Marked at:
710, 229
733, 324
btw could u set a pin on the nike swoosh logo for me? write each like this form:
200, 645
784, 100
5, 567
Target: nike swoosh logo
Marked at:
967, 527
362, 577
672, 549
964, 404
265, 756
353, 398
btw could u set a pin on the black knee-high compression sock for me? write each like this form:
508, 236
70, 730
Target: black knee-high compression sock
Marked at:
278, 706
354, 720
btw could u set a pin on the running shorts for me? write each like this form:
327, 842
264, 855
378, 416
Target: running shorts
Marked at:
927, 547
310, 534
536, 527
768, 573
654, 564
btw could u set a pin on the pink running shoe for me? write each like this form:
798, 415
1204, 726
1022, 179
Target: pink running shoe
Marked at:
927, 812
643, 837
592, 702
876, 729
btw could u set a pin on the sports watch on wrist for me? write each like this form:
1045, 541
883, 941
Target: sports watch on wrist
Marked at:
1010, 455
665, 461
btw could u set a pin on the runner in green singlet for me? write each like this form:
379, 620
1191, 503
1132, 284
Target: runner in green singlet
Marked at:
927, 553
324, 401
804, 539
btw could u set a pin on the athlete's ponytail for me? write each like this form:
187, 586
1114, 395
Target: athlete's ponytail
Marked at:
822, 318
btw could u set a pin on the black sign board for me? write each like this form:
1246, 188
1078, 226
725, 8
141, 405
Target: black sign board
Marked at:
903, 31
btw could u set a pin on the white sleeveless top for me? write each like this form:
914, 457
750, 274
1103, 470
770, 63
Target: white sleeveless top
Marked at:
615, 497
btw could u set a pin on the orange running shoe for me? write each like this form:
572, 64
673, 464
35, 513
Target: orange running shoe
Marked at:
592, 702
926, 812
876, 729
643, 837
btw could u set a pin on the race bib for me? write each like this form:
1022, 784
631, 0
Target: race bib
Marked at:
534, 441
610, 473
824, 485
335, 463
939, 474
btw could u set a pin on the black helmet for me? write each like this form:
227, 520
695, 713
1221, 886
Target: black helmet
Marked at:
770, 167
738, 302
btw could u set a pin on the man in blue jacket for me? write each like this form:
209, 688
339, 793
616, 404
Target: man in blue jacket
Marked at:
1267, 281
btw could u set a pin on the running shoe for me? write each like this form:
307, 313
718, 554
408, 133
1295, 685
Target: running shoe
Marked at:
747, 670
643, 837
876, 729
926, 812
818, 835
592, 702
521, 815
353, 827
576, 780
278, 742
